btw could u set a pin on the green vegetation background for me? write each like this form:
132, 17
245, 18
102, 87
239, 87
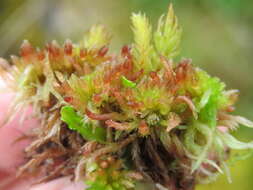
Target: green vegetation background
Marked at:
217, 35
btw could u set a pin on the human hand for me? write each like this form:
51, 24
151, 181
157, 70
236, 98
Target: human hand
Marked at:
11, 155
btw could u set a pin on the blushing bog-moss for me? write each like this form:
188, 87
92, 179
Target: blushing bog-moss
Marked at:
113, 120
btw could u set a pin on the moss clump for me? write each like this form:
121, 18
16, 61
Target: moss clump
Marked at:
116, 119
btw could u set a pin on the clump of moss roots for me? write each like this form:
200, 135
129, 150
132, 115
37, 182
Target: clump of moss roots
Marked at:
113, 120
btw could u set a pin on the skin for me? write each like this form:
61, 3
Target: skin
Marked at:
11, 155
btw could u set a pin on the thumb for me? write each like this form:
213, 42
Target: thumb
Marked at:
11, 155
64, 183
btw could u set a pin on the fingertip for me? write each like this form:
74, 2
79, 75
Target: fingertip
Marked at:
64, 183
11, 152
76, 186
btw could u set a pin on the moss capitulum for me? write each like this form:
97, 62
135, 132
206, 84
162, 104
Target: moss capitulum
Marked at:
118, 119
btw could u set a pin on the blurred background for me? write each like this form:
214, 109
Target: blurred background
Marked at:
217, 35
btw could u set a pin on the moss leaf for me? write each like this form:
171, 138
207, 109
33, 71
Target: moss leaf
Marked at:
75, 122
127, 83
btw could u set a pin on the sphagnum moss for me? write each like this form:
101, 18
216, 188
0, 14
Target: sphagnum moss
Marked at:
113, 120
